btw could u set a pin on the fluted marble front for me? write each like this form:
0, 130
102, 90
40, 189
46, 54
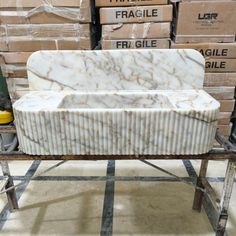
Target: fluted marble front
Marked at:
123, 122
116, 70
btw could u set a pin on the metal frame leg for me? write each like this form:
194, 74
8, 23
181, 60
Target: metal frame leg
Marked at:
225, 198
11, 195
198, 197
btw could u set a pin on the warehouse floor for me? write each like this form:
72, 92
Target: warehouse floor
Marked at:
143, 201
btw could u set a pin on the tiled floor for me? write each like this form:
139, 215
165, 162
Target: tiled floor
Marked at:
77, 199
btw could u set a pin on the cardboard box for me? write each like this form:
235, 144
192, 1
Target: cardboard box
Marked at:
46, 30
210, 50
225, 129
224, 118
220, 79
135, 43
220, 65
17, 87
29, 44
119, 3
158, 13
221, 93
14, 70
206, 18
227, 105
14, 57
136, 31
40, 16
204, 38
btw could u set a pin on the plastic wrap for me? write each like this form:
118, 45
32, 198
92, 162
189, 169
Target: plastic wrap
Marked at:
128, 36
136, 31
33, 37
31, 25
26, 11
44, 24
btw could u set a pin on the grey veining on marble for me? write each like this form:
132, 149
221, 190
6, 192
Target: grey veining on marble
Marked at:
116, 70
129, 102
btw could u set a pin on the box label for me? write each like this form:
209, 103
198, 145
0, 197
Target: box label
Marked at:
215, 64
220, 65
214, 52
211, 50
137, 44
208, 21
122, 44
139, 13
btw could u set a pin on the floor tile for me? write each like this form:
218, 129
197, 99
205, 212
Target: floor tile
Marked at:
157, 209
138, 168
19, 167
75, 168
66, 208
215, 168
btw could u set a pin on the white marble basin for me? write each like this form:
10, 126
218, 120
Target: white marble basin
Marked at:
116, 103
153, 122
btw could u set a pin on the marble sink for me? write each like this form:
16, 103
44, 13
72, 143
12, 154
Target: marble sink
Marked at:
154, 122
96, 103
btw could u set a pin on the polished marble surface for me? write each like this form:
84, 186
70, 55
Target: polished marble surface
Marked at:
116, 70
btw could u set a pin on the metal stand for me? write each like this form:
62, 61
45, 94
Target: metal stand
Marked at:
198, 197
225, 199
223, 206
203, 187
11, 194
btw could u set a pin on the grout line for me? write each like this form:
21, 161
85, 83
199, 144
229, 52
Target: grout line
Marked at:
108, 204
212, 214
5, 213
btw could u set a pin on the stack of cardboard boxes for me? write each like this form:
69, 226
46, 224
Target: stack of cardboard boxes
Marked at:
28, 26
209, 27
130, 24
